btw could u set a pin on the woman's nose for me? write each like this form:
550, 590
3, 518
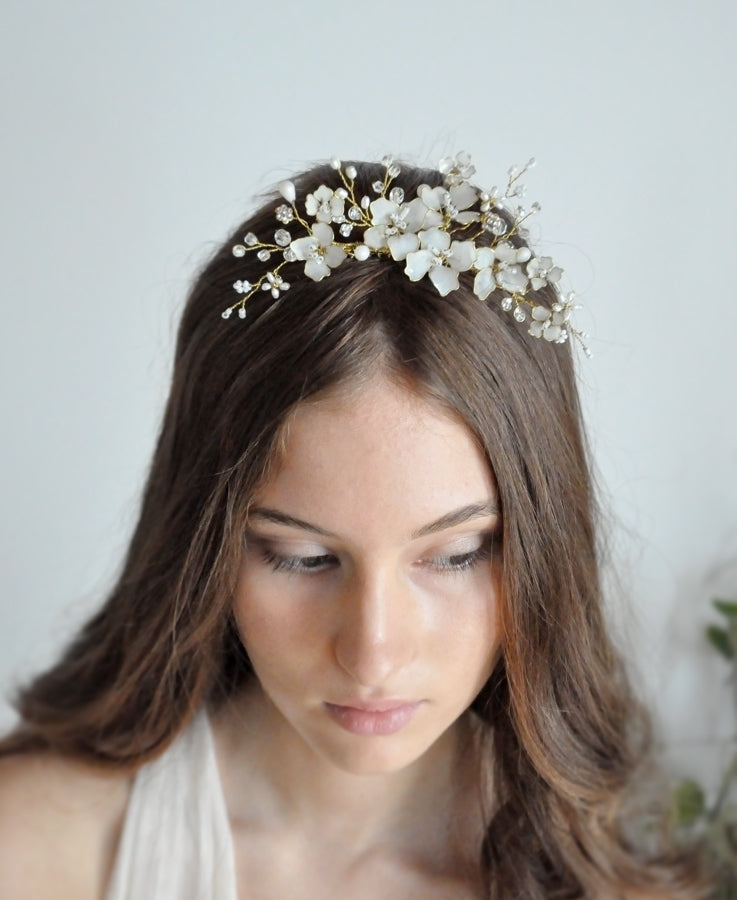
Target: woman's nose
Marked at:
377, 629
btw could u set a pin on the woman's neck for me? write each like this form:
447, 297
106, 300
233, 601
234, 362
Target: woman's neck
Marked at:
273, 779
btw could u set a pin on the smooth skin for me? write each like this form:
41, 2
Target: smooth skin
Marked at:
368, 577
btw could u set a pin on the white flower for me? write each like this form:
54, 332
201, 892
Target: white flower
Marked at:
441, 259
491, 199
243, 287
543, 271
509, 274
457, 168
395, 225
388, 220
319, 251
451, 200
325, 205
549, 324
274, 283
484, 282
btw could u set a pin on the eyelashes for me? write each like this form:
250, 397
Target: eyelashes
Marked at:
458, 562
297, 564
445, 564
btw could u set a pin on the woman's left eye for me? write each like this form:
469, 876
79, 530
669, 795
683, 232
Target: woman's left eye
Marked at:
458, 562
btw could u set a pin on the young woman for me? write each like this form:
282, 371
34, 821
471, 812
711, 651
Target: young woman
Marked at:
357, 646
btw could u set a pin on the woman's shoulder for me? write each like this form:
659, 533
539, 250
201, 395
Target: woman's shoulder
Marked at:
60, 821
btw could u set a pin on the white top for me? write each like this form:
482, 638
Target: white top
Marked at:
176, 842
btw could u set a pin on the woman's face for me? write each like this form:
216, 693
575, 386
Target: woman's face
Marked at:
367, 597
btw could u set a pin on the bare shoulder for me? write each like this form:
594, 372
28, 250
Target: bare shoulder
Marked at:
60, 822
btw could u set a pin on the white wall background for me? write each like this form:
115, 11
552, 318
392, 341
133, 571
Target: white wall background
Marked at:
135, 134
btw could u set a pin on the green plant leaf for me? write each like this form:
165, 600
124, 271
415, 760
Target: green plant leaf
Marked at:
688, 803
721, 640
727, 608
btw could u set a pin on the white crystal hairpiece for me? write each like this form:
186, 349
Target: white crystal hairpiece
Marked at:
433, 234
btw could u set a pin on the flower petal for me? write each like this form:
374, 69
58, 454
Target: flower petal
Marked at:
418, 216
303, 248
434, 239
505, 252
444, 279
418, 264
382, 210
316, 269
512, 279
334, 255
484, 257
323, 233
466, 218
431, 197
462, 254
375, 237
484, 283
463, 195
401, 244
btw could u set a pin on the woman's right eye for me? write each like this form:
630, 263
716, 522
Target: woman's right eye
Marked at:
298, 564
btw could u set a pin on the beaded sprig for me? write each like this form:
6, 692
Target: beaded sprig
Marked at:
434, 234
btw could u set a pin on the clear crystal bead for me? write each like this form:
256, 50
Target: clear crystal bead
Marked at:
496, 225
519, 314
378, 186
387, 160
239, 250
250, 239
507, 304
284, 214
282, 237
346, 229
354, 213
264, 255
226, 313
393, 170
396, 195
289, 255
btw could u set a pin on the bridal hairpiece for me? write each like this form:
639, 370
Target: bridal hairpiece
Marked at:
434, 234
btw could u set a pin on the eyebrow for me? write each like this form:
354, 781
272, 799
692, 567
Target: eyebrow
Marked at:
449, 520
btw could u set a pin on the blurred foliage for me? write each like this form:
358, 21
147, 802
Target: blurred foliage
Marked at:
694, 816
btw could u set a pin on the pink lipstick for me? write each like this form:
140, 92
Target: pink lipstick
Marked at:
380, 718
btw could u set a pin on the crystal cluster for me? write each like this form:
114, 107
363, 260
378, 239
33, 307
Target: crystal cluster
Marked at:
434, 235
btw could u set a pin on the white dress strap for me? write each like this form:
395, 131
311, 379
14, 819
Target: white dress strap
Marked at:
176, 842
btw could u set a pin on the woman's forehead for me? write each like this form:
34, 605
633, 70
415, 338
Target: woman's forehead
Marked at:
377, 451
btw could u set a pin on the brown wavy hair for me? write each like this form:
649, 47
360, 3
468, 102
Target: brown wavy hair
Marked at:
565, 734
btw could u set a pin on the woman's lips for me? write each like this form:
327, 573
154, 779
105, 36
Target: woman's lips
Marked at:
379, 718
